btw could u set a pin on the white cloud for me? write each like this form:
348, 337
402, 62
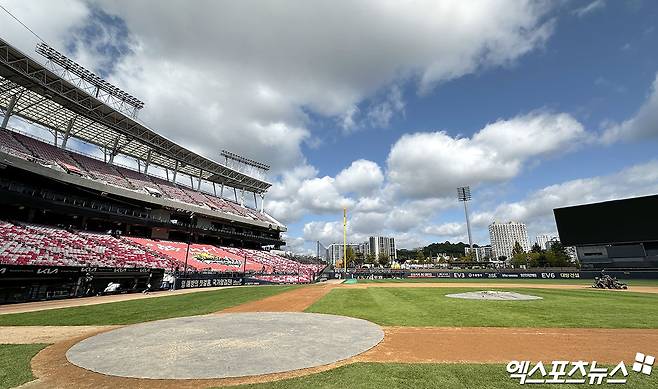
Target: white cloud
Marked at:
450, 229
324, 232
361, 177
434, 164
537, 208
38, 15
300, 192
297, 246
380, 114
320, 195
589, 8
242, 75
643, 124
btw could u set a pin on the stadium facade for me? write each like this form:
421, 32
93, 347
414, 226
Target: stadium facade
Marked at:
57, 179
612, 234
67, 200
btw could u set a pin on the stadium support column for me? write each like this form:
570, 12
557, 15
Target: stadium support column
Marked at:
255, 201
242, 197
113, 153
147, 162
175, 172
189, 240
9, 111
262, 202
198, 184
67, 133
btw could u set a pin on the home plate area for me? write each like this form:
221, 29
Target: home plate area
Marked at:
225, 345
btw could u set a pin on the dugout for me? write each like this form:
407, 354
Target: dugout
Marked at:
37, 283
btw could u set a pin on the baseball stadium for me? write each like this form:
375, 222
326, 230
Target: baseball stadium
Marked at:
167, 272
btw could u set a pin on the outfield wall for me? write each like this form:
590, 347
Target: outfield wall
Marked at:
505, 274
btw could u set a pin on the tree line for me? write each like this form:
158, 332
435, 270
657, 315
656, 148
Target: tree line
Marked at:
555, 256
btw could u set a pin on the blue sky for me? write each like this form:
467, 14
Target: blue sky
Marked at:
598, 67
380, 109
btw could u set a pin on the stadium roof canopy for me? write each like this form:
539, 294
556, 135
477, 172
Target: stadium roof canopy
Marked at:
49, 100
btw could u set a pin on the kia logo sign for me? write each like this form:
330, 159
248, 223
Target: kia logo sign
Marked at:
47, 271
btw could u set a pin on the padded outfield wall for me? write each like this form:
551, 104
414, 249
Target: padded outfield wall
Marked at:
530, 274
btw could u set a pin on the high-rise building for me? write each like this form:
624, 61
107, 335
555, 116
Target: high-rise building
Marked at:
542, 240
505, 235
383, 245
364, 248
335, 251
482, 253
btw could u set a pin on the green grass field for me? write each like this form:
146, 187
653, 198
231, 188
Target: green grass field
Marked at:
385, 306
15, 370
15, 363
420, 376
137, 311
429, 307
631, 283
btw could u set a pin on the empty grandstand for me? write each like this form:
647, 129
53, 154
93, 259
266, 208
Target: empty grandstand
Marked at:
165, 207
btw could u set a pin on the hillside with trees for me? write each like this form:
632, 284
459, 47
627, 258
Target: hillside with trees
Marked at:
452, 249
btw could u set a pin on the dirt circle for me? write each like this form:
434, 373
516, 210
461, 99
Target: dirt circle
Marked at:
494, 295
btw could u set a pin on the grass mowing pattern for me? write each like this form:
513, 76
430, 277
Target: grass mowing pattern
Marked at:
429, 307
581, 281
420, 376
137, 311
15, 363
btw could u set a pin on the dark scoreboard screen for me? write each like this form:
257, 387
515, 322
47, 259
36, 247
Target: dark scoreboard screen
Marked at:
617, 221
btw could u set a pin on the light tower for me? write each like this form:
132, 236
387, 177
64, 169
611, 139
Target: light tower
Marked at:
464, 195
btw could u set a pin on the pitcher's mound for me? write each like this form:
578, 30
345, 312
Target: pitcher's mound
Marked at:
226, 345
494, 295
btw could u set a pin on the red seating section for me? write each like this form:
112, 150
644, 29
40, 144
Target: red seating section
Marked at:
102, 171
217, 258
48, 153
12, 146
28, 244
40, 245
